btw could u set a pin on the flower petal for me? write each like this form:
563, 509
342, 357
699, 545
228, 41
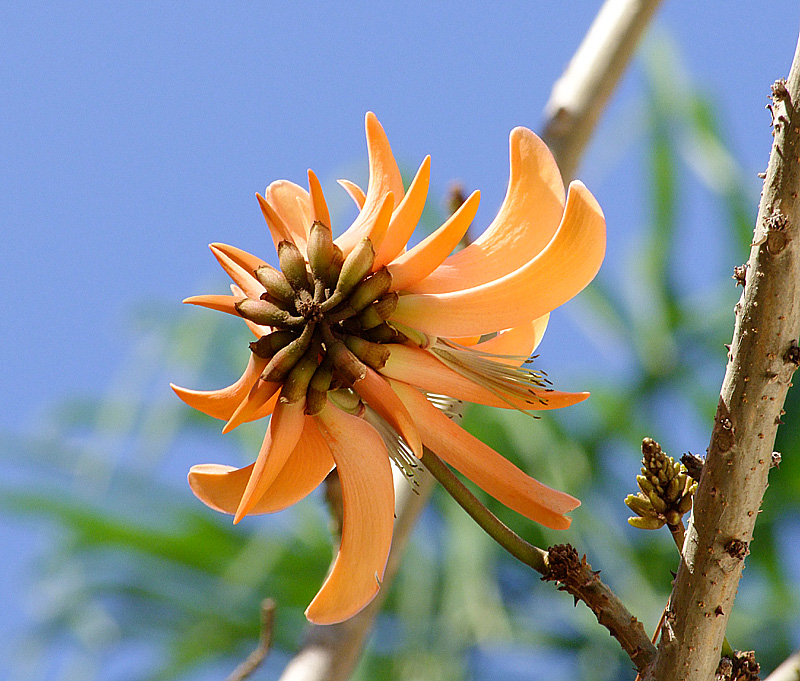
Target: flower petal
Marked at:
520, 341
262, 395
216, 302
384, 177
524, 225
222, 403
277, 228
566, 265
493, 473
292, 204
221, 487
246, 280
424, 370
355, 192
368, 496
247, 261
375, 391
427, 255
283, 434
405, 217
319, 208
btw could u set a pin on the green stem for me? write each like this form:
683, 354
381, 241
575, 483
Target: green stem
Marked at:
521, 550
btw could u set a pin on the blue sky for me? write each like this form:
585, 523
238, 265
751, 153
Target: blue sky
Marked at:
135, 133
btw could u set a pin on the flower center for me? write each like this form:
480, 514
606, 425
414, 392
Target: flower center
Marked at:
328, 314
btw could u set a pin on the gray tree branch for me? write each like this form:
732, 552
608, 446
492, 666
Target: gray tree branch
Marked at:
762, 358
580, 95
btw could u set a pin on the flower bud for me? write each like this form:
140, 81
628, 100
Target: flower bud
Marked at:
285, 359
369, 318
658, 503
293, 266
673, 518
355, 267
685, 504
639, 505
320, 250
295, 386
268, 345
370, 289
275, 283
317, 395
337, 260
265, 313
349, 367
648, 523
374, 355
383, 333
673, 490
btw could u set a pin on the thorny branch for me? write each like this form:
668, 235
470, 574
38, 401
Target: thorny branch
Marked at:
763, 356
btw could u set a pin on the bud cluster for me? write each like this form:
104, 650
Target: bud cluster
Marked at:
328, 314
665, 490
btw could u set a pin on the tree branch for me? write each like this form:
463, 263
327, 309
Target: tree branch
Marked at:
789, 670
580, 95
762, 359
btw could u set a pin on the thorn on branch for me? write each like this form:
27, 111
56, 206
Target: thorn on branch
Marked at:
740, 274
737, 549
779, 90
694, 465
741, 667
792, 355
775, 460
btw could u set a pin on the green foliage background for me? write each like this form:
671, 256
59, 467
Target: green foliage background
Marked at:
140, 581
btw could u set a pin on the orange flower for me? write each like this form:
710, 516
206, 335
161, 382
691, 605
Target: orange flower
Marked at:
358, 336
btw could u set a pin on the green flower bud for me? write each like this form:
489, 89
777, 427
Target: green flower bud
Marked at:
674, 489
673, 517
285, 359
374, 355
644, 484
265, 313
370, 289
355, 267
275, 283
685, 504
317, 395
369, 318
268, 345
639, 505
383, 333
658, 503
320, 250
293, 266
337, 260
296, 385
648, 523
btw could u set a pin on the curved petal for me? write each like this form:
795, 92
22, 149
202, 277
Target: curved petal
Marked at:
249, 262
378, 229
277, 228
520, 341
489, 470
384, 177
417, 263
221, 487
524, 224
355, 192
263, 394
216, 302
222, 403
368, 496
292, 204
246, 280
319, 208
420, 368
283, 434
375, 391
405, 217
566, 265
